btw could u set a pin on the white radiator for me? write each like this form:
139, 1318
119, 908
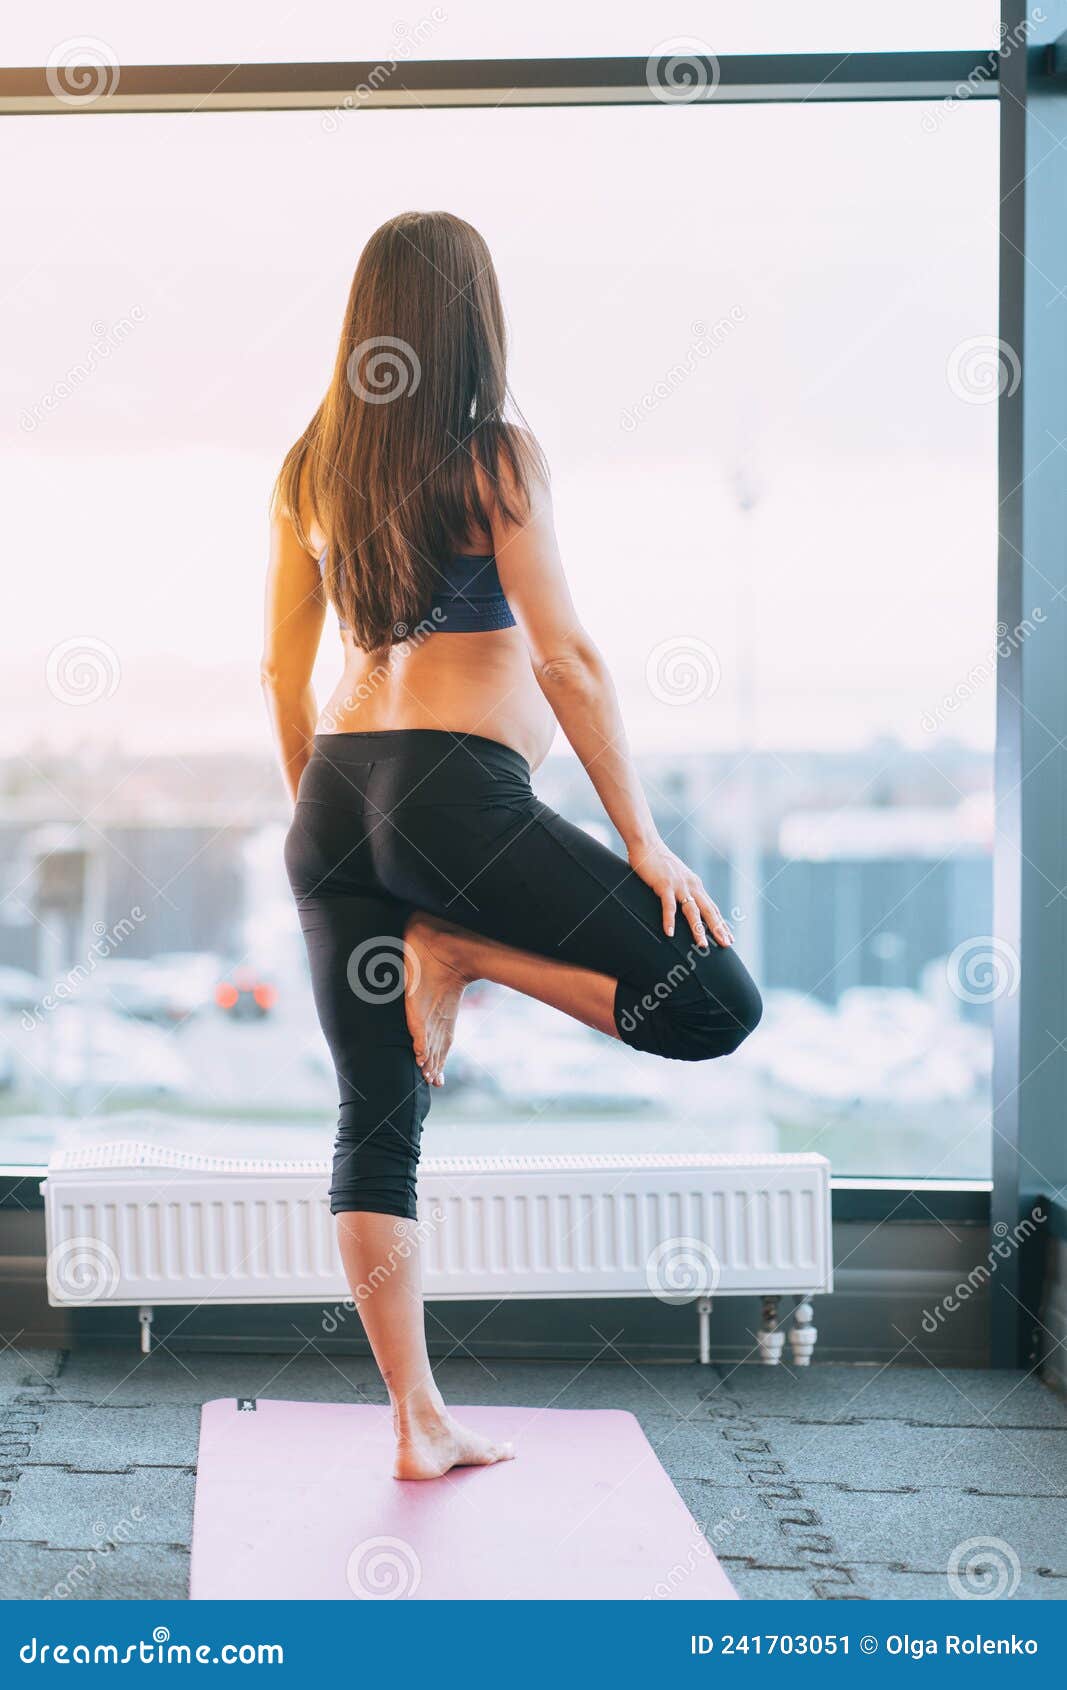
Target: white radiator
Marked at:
135, 1224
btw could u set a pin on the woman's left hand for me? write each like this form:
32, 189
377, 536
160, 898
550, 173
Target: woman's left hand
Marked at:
677, 887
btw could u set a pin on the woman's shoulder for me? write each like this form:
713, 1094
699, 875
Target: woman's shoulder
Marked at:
520, 474
292, 506
527, 448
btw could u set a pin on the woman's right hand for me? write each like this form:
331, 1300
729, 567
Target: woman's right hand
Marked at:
678, 888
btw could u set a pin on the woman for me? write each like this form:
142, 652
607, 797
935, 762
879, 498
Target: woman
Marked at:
413, 506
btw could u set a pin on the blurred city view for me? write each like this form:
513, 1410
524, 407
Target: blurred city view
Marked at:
758, 346
152, 973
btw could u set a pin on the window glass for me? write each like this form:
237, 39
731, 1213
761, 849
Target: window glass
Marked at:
758, 344
258, 31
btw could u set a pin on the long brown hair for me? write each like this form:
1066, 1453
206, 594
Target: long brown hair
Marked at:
387, 468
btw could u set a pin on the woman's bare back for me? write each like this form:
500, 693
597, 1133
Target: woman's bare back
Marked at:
479, 683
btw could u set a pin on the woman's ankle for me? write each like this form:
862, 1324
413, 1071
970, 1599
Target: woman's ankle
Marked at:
419, 1409
455, 947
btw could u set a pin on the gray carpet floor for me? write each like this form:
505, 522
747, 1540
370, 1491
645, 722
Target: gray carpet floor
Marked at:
838, 1482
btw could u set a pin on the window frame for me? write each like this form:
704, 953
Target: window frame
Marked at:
421, 83
739, 78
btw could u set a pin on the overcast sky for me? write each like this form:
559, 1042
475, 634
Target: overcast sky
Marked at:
812, 271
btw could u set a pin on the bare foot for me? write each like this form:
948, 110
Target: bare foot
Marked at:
427, 1451
435, 978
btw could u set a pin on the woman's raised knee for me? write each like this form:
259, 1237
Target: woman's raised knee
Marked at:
702, 1013
717, 1026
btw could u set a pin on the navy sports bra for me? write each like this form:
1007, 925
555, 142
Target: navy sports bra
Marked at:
469, 600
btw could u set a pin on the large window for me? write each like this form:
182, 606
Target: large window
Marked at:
758, 344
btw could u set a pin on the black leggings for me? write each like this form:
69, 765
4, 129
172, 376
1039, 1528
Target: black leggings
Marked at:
388, 823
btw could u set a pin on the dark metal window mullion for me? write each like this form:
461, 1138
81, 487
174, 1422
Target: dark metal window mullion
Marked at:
731, 78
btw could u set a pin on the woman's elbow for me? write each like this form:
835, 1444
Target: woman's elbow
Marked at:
576, 667
278, 680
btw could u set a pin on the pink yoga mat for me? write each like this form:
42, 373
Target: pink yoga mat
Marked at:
295, 1499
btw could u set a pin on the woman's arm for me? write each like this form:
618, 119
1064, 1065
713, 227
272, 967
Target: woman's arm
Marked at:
575, 680
295, 612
